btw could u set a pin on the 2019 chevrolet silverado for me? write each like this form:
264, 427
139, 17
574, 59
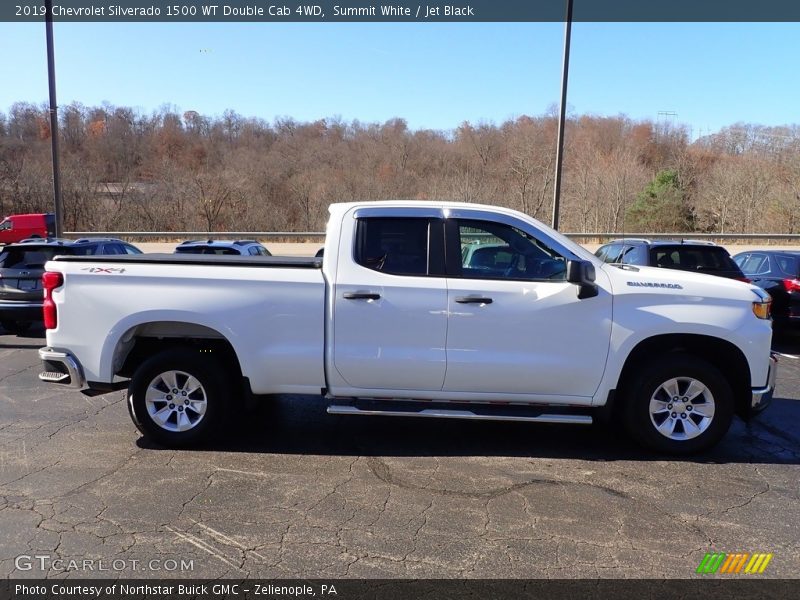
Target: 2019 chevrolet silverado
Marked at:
391, 321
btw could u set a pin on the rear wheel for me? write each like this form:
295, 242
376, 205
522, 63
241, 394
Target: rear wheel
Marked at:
178, 397
679, 405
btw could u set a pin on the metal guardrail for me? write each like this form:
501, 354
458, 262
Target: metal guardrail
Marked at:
686, 236
203, 235
319, 234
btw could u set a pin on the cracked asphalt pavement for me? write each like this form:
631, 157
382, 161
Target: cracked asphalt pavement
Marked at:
293, 492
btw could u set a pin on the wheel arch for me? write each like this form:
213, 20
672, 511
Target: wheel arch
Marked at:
724, 355
141, 341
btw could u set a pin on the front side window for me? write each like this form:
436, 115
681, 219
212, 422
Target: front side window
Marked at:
397, 246
497, 251
5, 225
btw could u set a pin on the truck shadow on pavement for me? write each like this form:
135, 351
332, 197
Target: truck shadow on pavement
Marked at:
300, 426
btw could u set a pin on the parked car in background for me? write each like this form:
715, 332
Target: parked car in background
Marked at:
683, 255
778, 273
21, 268
229, 247
15, 228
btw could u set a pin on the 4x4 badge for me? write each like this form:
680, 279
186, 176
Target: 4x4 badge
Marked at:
103, 269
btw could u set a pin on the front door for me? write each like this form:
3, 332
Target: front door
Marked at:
516, 325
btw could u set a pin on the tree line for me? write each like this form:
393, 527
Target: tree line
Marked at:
123, 169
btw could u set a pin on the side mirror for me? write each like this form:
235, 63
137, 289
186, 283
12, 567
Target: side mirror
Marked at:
581, 273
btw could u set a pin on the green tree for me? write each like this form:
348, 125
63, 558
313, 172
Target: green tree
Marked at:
660, 207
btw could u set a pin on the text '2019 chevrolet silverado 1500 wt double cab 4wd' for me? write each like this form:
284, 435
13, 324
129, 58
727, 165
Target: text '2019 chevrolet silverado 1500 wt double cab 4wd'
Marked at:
398, 319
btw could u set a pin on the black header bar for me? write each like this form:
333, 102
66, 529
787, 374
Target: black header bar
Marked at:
402, 11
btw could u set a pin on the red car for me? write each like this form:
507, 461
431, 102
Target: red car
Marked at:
15, 228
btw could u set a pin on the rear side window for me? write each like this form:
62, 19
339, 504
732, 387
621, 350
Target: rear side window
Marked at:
398, 246
112, 249
754, 264
787, 264
82, 250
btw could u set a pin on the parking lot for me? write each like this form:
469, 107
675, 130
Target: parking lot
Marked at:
294, 492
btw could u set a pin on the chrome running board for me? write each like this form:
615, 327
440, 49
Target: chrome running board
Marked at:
479, 413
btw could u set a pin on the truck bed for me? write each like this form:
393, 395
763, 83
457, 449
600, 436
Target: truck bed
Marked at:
277, 262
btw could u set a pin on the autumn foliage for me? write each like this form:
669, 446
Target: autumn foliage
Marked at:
172, 171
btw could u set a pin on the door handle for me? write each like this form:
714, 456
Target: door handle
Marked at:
361, 296
473, 300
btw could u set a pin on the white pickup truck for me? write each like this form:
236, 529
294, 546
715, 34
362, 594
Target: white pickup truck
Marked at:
417, 309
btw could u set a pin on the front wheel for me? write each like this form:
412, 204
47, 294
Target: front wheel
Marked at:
178, 397
679, 405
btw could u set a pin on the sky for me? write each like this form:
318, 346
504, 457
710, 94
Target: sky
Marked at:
434, 75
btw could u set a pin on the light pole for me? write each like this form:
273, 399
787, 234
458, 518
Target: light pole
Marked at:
562, 115
51, 80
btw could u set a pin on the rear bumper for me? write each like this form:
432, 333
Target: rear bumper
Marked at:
21, 311
763, 396
62, 368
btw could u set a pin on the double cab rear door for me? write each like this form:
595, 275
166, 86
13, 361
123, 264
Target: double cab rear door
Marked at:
461, 304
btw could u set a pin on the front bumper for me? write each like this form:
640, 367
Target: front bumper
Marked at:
62, 368
763, 396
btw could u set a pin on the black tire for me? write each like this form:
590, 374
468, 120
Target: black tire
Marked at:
183, 362
681, 436
16, 326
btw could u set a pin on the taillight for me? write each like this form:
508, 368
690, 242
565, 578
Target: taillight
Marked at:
50, 281
745, 279
791, 285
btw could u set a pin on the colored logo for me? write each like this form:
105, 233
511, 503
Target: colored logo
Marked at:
741, 562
